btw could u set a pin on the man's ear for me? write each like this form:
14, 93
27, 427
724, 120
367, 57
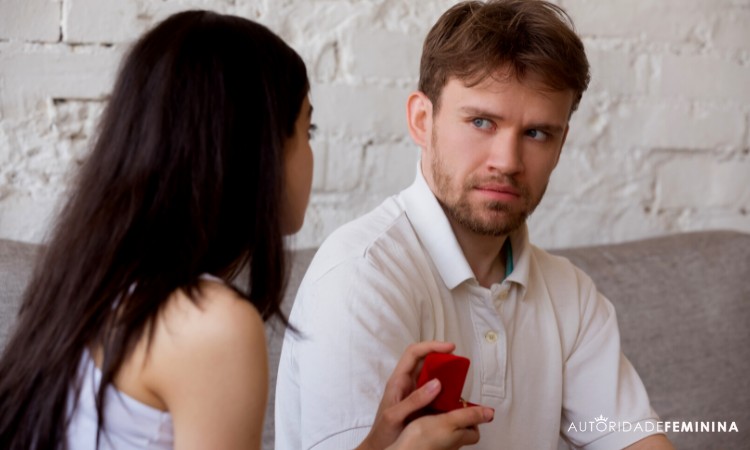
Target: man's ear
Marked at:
419, 118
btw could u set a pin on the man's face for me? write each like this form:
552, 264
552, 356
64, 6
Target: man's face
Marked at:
490, 150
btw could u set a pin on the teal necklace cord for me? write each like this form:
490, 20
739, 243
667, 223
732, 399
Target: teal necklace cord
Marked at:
508, 250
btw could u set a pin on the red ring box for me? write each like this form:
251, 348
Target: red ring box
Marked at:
451, 370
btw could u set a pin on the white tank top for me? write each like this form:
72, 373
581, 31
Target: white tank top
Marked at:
129, 424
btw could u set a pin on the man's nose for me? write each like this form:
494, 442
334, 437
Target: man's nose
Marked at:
506, 153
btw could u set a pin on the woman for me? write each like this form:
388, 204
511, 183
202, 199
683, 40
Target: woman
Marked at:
130, 331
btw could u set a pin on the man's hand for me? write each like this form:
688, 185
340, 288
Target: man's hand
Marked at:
400, 402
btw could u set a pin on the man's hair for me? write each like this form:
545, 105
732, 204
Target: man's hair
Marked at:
472, 40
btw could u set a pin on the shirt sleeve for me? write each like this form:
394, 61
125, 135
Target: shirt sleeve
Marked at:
605, 404
354, 323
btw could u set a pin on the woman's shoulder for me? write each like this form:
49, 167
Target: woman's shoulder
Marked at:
214, 326
207, 362
213, 318
214, 310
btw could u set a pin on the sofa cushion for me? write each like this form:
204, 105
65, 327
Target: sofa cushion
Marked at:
683, 305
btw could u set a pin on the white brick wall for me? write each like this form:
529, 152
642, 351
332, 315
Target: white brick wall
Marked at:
661, 142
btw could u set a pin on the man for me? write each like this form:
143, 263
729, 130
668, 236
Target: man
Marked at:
449, 258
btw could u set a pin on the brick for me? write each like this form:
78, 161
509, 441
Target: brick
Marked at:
600, 176
574, 223
607, 193
390, 167
723, 219
34, 163
74, 126
109, 21
320, 31
385, 54
149, 13
665, 21
673, 125
326, 63
338, 165
320, 162
732, 31
34, 173
731, 187
590, 121
30, 20
343, 166
327, 212
615, 72
703, 182
631, 221
25, 218
29, 75
703, 78
360, 110
323, 216
308, 22
682, 220
76, 119
411, 17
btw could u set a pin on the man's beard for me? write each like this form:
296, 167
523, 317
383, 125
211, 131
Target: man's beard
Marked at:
490, 218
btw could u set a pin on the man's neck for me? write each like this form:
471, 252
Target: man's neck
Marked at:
483, 253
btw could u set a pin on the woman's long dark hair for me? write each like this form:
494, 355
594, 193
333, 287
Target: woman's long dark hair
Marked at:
185, 178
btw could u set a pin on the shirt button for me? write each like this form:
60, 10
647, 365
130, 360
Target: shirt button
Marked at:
503, 294
490, 337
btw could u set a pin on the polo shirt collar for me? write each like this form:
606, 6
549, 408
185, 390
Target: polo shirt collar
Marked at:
435, 233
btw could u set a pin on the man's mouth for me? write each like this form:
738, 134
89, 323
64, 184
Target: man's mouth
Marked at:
499, 191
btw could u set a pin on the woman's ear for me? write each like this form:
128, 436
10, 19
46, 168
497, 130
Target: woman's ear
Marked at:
419, 118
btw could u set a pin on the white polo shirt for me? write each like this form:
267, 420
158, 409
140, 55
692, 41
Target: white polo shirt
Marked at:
543, 343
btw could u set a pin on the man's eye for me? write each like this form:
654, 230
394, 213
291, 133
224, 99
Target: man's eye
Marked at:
483, 124
538, 135
311, 131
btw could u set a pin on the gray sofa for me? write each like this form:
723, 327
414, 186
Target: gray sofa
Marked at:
683, 303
